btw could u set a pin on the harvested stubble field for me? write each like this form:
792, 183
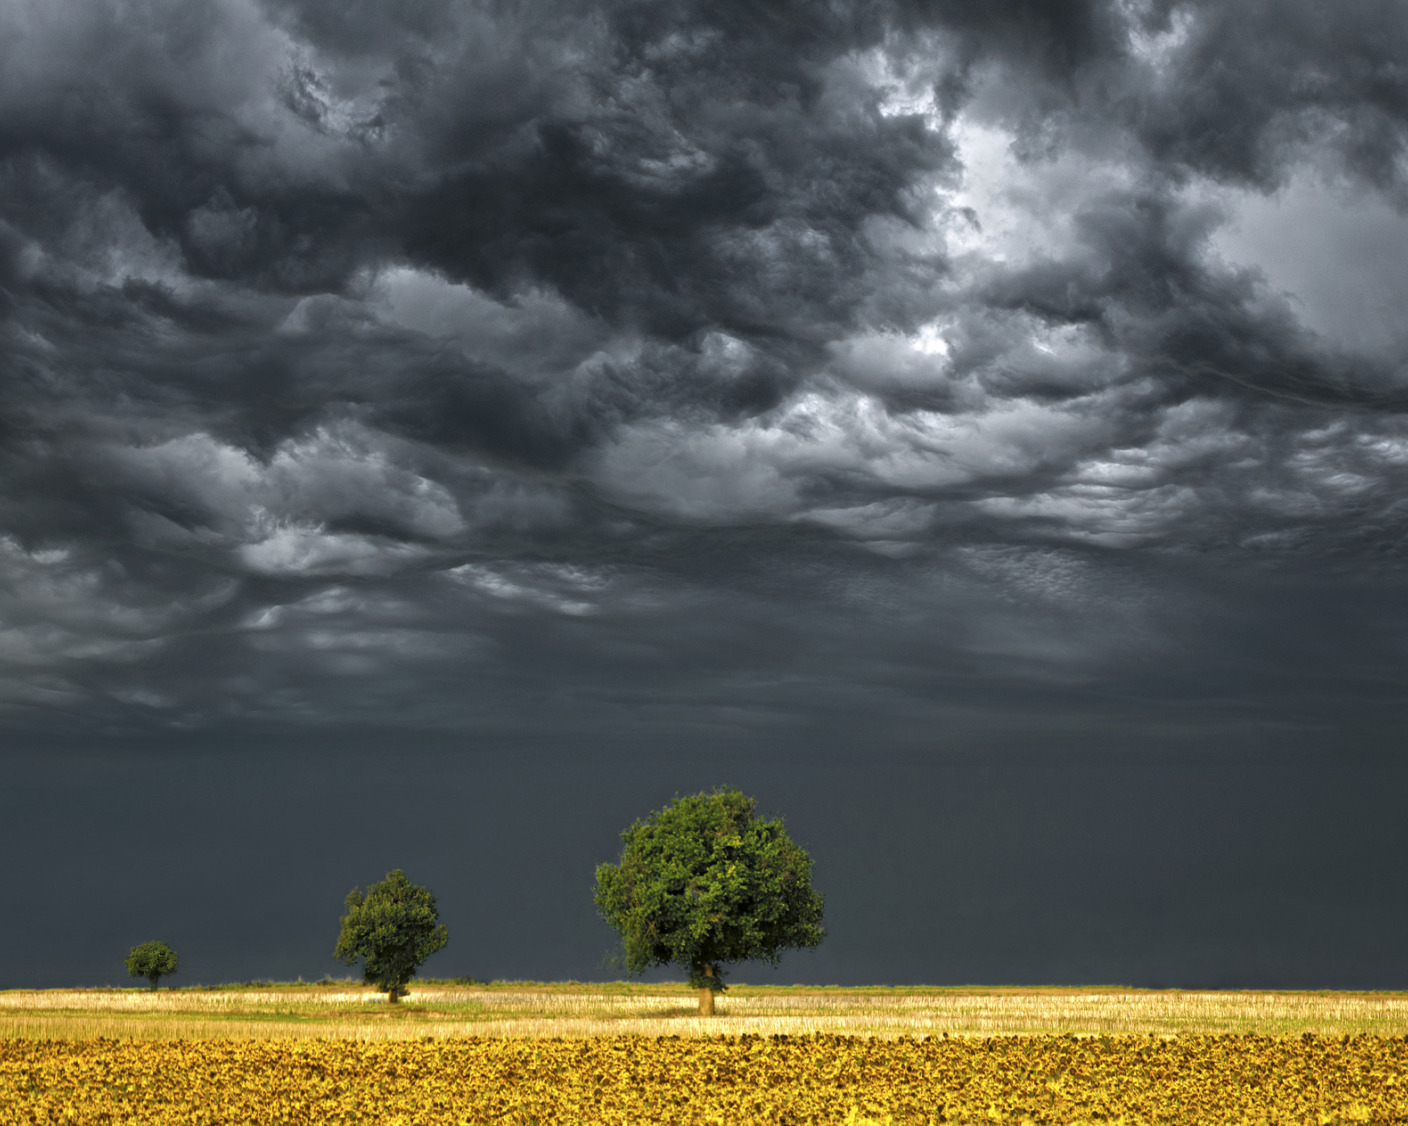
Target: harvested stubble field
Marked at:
520, 1054
346, 1011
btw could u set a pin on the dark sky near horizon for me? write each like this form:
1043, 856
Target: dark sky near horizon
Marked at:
434, 433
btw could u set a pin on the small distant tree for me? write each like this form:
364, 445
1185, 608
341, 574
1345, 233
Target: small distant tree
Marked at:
395, 927
153, 961
704, 882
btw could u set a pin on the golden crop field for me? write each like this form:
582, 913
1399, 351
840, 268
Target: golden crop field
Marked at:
512, 1054
569, 1010
680, 1081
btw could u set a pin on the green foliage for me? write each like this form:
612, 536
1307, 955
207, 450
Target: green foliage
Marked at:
395, 927
704, 882
153, 961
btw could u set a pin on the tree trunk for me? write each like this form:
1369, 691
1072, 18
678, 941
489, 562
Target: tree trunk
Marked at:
393, 996
706, 995
154, 978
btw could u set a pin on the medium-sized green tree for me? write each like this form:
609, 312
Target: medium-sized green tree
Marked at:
153, 961
395, 927
703, 882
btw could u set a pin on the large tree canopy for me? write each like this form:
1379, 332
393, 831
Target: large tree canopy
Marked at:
704, 882
394, 926
152, 960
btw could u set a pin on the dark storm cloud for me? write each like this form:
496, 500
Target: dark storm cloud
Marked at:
361, 353
977, 427
1258, 84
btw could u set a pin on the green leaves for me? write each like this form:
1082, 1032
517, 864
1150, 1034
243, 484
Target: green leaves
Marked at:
704, 882
395, 927
152, 960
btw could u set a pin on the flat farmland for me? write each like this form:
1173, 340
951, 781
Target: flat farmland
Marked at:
346, 1011
517, 1054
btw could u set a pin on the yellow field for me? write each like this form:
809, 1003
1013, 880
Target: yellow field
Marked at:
514, 1054
622, 1080
570, 1010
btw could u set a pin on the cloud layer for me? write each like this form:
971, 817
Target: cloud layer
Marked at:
694, 360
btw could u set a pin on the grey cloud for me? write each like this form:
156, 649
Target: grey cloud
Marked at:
1248, 88
979, 423
553, 323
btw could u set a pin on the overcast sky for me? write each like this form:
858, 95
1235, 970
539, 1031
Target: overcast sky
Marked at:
434, 433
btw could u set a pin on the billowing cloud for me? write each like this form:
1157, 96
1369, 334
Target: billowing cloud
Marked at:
427, 345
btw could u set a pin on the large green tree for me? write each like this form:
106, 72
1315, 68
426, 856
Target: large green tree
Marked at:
704, 882
395, 927
153, 961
